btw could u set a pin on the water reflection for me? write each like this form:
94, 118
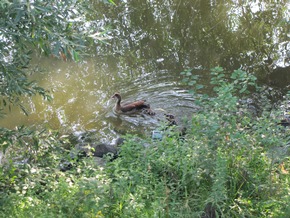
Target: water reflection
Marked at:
151, 43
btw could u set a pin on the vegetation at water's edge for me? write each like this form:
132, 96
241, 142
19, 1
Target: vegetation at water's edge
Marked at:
229, 164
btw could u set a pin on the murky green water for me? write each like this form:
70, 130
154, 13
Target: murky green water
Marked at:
149, 44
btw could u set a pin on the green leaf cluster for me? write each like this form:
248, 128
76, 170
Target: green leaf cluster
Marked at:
56, 28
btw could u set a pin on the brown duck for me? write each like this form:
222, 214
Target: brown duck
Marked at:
131, 107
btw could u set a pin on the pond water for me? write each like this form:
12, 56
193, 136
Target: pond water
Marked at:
148, 44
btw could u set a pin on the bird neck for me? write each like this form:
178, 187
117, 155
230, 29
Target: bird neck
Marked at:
118, 103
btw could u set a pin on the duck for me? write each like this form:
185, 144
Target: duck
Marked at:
171, 120
136, 106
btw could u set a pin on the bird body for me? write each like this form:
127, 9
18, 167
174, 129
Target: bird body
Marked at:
131, 107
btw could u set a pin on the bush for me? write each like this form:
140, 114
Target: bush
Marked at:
224, 166
228, 164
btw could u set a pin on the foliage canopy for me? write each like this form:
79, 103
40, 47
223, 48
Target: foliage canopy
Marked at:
56, 28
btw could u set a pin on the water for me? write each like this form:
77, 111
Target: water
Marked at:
82, 99
149, 44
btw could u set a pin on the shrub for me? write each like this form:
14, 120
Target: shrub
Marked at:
223, 167
228, 164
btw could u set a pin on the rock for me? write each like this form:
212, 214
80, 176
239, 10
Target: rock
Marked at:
102, 149
98, 150
65, 166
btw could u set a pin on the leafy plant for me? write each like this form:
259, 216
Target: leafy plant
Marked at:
56, 28
227, 165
